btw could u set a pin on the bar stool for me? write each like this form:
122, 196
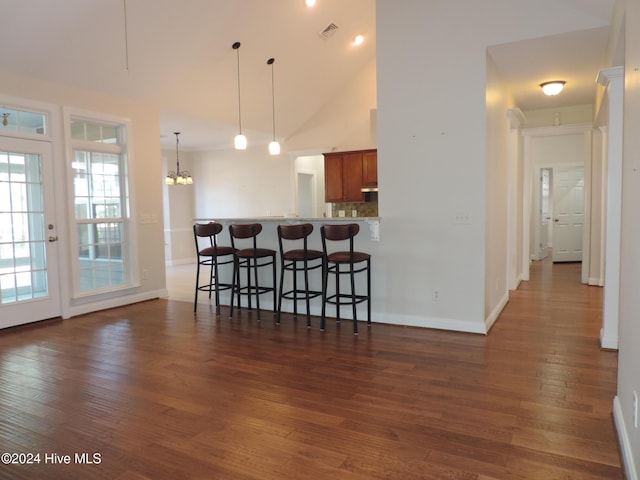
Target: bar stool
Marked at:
297, 260
250, 258
213, 256
352, 263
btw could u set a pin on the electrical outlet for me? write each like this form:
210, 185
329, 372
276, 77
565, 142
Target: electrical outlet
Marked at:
635, 409
436, 295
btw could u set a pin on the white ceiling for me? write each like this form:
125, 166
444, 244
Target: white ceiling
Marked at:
177, 55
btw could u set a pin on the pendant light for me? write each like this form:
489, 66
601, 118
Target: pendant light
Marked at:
240, 141
178, 177
274, 146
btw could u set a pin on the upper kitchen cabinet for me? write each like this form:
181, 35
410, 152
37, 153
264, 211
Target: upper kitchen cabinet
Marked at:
370, 169
347, 173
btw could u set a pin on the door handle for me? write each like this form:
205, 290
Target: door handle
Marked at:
53, 238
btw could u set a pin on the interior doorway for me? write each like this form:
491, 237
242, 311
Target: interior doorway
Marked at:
306, 193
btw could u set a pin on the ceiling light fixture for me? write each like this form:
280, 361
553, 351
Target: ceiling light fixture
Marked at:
178, 177
274, 146
552, 88
309, 3
240, 141
358, 40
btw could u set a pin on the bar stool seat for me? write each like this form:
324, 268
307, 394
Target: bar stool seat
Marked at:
344, 263
297, 260
212, 256
250, 259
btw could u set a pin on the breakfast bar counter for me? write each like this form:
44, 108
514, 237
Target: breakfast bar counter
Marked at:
366, 241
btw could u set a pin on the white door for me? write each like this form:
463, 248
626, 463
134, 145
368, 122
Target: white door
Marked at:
545, 211
568, 206
28, 240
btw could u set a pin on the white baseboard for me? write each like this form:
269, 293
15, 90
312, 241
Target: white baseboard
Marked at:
623, 439
608, 343
180, 261
495, 313
76, 310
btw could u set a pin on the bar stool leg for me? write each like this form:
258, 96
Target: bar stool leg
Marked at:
282, 270
352, 276
255, 276
306, 290
325, 278
337, 267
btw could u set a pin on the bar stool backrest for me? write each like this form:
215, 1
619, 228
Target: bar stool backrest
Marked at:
292, 233
245, 231
206, 230
339, 232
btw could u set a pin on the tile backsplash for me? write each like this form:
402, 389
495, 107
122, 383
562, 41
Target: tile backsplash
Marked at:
363, 209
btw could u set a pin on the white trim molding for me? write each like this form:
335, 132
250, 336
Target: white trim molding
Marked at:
623, 438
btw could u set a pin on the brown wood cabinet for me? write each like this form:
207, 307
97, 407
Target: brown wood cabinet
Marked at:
346, 173
370, 168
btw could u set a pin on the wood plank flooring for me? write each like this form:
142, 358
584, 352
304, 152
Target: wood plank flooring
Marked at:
159, 394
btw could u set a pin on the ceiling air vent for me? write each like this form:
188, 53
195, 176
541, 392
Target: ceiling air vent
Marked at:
329, 30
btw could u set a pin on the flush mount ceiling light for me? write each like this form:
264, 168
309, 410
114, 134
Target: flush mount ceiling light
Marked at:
274, 146
358, 39
178, 177
552, 88
309, 3
240, 141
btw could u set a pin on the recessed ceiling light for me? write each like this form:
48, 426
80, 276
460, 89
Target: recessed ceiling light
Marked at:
358, 40
310, 3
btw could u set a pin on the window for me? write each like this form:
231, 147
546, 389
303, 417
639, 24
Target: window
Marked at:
101, 205
23, 121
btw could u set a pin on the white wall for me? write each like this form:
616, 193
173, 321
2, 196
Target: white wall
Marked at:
546, 117
347, 122
236, 183
146, 193
629, 353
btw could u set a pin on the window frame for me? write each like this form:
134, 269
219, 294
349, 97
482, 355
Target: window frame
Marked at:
122, 149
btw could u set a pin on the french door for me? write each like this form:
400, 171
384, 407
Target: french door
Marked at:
29, 288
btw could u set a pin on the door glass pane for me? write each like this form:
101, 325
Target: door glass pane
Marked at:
23, 261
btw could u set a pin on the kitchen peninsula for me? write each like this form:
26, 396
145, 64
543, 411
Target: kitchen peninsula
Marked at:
366, 241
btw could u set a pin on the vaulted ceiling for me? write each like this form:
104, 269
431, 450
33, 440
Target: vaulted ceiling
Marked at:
178, 56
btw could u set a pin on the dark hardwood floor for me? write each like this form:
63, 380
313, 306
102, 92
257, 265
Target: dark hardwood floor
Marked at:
159, 395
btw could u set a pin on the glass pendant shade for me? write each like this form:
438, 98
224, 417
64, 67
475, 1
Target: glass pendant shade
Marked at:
274, 148
240, 142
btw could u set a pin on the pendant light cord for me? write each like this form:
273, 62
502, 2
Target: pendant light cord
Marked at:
126, 36
273, 99
236, 46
